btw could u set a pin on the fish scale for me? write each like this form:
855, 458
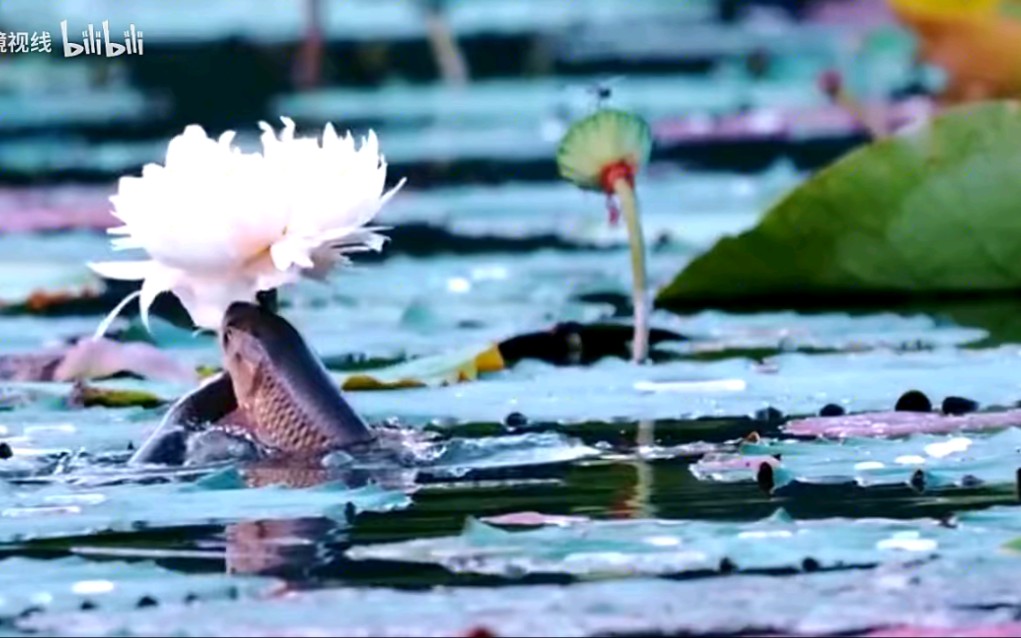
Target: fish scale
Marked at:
283, 424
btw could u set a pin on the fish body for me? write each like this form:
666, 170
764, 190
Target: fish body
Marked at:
273, 389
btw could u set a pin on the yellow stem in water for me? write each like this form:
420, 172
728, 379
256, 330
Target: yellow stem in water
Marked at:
629, 207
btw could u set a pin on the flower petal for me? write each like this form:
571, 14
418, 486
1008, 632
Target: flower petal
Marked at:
160, 279
220, 224
207, 298
123, 270
291, 251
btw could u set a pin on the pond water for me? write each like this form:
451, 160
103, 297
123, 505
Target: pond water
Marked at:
563, 491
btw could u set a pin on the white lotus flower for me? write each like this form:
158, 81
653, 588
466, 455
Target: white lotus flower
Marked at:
220, 225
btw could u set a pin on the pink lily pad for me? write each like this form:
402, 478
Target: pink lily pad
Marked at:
533, 519
901, 424
95, 359
729, 462
38, 209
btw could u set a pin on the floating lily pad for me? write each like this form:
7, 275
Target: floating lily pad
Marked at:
901, 423
457, 367
532, 519
840, 602
794, 384
460, 457
710, 331
409, 307
867, 227
89, 396
715, 204
34, 287
99, 358
929, 461
366, 21
61, 510
630, 548
67, 584
484, 102
38, 434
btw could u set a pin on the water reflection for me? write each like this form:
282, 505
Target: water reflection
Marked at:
290, 549
287, 549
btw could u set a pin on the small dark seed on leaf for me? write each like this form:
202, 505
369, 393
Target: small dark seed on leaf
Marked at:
810, 564
958, 405
191, 598
769, 415
515, 420
350, 511
146, 601
727, 566
87, 605
832, 409
970, 480
913, 401
5, 451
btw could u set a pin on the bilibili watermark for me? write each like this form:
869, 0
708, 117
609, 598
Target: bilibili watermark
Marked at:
94, 41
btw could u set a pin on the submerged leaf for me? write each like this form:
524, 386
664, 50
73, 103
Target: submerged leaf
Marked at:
656, 547
932, 211
440, 370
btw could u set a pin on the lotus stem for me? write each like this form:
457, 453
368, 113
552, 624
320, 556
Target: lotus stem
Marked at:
832, 84
641, 499
449, 56
311, 62
867, 117
625, 193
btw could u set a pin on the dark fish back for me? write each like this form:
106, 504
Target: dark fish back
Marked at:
301, 407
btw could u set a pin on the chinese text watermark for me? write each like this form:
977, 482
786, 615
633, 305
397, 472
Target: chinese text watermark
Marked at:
93, 42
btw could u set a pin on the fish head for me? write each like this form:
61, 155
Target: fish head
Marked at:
247, 333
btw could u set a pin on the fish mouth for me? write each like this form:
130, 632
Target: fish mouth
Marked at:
242, 316
240, 313
273, 333
246, 315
